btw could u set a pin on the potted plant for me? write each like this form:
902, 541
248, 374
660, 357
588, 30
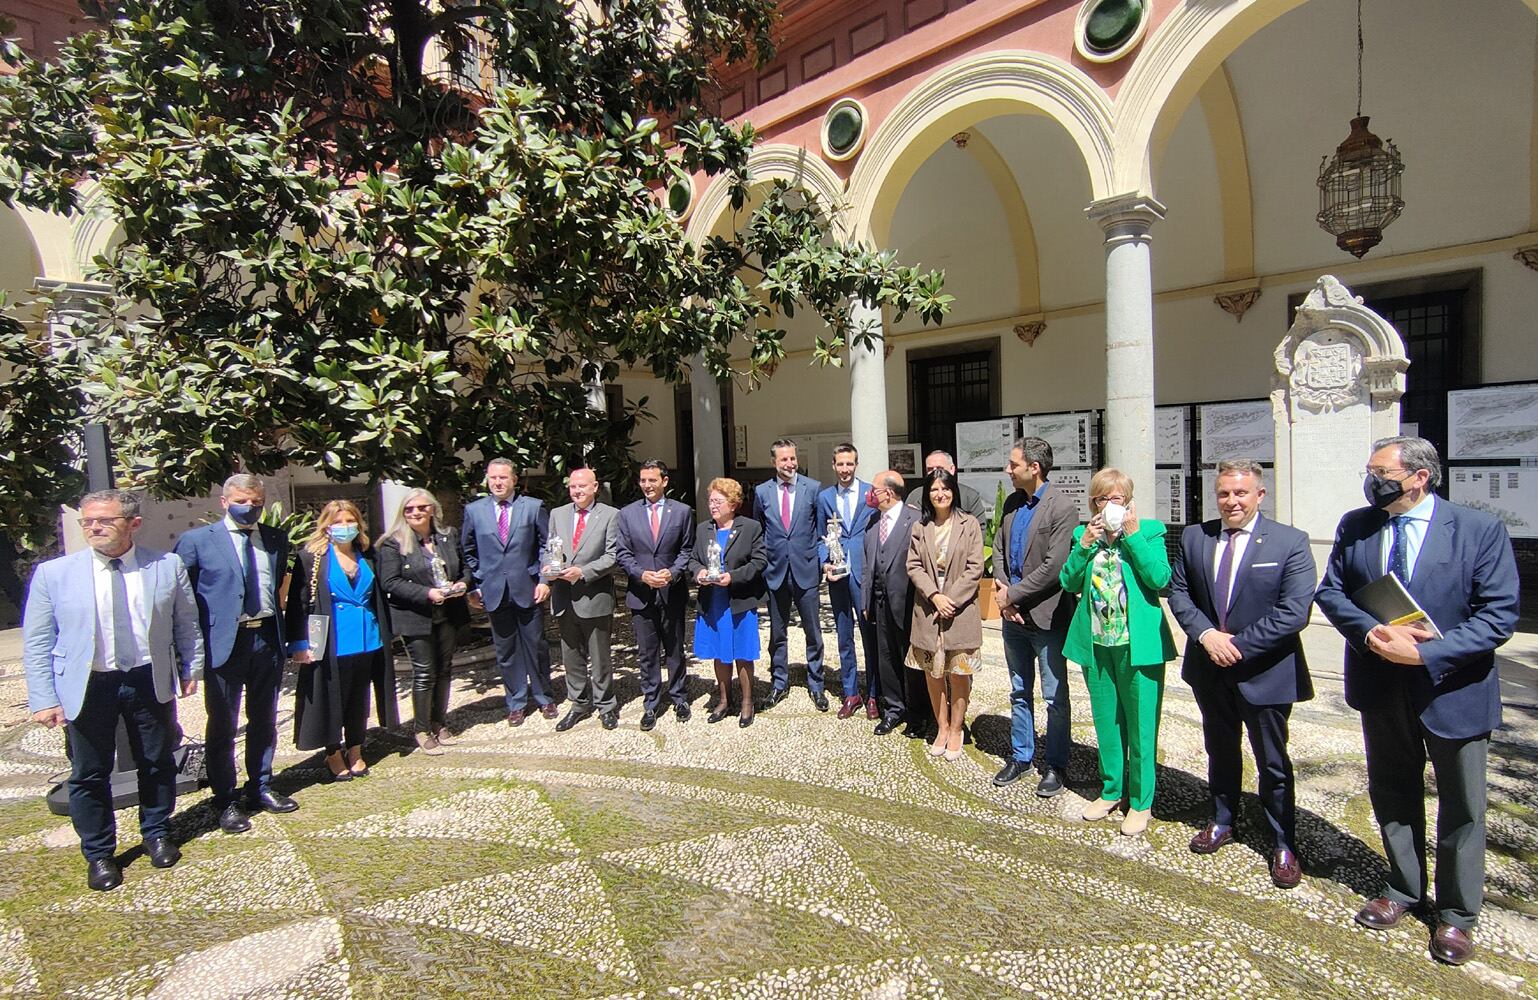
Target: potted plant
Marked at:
986, 605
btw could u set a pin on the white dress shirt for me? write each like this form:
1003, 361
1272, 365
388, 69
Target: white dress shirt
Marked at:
263, 569
133, 579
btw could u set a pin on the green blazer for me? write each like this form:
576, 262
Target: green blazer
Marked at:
1146, 571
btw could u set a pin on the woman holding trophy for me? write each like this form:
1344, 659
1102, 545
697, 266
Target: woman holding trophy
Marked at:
728, 564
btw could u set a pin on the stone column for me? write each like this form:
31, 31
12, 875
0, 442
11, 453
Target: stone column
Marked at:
709, 459
867, 394
1129, 354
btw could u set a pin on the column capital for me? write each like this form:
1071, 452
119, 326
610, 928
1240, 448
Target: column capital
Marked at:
1126, 214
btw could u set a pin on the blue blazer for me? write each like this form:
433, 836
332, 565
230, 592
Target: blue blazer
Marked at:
854, 534
1466, 579
220, 586
59, 629
504, 572
791, 554
1273, 590
637, 553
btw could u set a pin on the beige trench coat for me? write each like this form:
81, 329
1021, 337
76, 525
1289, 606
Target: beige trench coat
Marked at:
963, 569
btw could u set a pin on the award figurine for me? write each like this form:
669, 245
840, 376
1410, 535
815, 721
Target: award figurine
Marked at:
838, 562
554, 563
713, 561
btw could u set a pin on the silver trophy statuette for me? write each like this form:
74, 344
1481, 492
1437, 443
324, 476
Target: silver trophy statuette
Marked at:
440, 573
713, 561
554, 562
838, 562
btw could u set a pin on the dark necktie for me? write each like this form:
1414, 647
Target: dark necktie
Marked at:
503, 525
1225, 575
253, 602
1399, 553
124, 649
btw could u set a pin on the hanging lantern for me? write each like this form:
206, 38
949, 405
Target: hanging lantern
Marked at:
1359, 185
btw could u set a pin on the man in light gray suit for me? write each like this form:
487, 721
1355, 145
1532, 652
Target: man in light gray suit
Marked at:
582, 600
112, 632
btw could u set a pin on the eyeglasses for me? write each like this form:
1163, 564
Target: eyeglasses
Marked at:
419, 509
91, 522
1370, 471
1102, 501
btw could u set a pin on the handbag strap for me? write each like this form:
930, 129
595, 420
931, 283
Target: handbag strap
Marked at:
314, 579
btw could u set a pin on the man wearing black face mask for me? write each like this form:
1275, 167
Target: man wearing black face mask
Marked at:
1419, 695
237, 567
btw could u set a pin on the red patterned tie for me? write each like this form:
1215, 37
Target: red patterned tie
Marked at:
576, 536
883, 532
503, 525
656, 522
785, 506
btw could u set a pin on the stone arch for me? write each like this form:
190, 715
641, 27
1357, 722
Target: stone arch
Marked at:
962, 94
775, 161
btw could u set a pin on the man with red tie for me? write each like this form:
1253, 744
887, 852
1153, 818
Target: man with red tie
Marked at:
582, 600
787, 509
655, 537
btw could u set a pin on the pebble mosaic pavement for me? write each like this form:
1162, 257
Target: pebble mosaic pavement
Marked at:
802, 857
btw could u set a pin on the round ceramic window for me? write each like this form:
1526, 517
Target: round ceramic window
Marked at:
1106, 30
679, 197
844, 128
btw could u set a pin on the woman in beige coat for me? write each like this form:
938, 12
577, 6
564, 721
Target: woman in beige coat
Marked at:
945, 563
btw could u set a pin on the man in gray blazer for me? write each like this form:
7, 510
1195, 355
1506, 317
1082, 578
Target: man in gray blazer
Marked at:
112, 632
888, 594
1029, 550
582, 600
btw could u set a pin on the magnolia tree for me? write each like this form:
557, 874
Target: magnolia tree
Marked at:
371, 237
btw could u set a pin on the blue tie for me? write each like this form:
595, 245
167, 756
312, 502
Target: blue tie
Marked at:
252, 607
1399, 553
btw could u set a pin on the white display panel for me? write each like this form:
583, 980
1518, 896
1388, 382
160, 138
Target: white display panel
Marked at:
1170, 498
1507, 492
1071, 435
1171, 436
1499, 421
1237, 430
983, 445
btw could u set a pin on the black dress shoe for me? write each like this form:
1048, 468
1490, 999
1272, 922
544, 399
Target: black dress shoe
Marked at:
609, 720
648, 721
163, 853
273, 802
744, 721
103, 874
573, 717
775, 696
717, 714
884, 726
820, 700
234, 819
1010, 773
683, 712
1051, 783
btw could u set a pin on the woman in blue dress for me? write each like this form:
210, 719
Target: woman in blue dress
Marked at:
726, 628
337, 578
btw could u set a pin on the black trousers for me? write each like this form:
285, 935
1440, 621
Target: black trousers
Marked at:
1224, 712
891, 651
659, 638
355, 675
152, 735
432, 666
1398, 746
253, 674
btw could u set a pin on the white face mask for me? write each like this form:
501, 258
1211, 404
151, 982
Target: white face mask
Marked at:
1113, 514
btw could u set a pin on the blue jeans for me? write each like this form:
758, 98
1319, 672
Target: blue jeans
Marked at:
1025, 646
848, 614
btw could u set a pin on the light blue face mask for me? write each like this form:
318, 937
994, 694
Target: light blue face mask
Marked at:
343, 532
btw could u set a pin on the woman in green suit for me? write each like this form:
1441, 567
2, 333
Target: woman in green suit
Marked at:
1117, 566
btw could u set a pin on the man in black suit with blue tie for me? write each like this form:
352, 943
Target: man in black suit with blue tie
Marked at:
787, 510
1241, 590
237, 567
653, 544
1422, 695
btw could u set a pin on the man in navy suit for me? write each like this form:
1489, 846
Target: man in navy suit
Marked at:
653, 544
1421, 696
503, 538
1241, 590
787, 509
112, 633
888, 594
846, 500
237, 568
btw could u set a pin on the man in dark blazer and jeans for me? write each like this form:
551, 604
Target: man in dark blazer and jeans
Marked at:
1241, 590
1421, 696
653, 544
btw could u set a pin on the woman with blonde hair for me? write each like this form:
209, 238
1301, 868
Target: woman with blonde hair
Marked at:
1118, 565
425, 583
726, 628
945, 563
337, 579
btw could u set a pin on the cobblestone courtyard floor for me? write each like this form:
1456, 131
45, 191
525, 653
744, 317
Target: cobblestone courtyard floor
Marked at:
803, 857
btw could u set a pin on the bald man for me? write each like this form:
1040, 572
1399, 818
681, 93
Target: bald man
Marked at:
582, 600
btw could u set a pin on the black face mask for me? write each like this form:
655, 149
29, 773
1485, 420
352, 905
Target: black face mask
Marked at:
1382, 491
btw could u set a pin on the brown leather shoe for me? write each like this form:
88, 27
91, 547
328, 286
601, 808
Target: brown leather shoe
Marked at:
1286, 872
548, 711
871, 709
850, 706
1211, 838
1381, 913
515, 717
1452, 945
